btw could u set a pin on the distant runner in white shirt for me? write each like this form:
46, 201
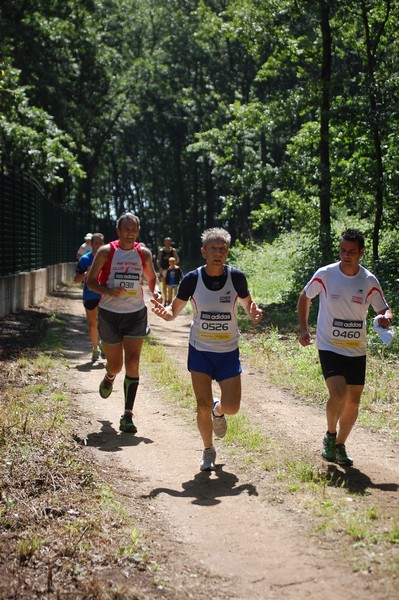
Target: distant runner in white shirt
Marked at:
346, 291
214, 291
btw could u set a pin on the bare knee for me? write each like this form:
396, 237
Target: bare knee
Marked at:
204, 404
230, 408
113, 367
114, 363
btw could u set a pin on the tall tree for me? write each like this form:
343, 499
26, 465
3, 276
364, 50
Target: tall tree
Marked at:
371, 48
325, 174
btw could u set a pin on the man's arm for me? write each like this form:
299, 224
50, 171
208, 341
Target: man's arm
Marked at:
387, 318
79, 277
168, 313
99, 261
149, 273
251, 309
158, 261
303, 316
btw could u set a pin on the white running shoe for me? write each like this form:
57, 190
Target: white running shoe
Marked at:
219, 423
208, 459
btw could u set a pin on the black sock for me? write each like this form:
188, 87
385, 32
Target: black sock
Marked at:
130, 386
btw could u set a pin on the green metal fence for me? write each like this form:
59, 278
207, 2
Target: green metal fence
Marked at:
35, 232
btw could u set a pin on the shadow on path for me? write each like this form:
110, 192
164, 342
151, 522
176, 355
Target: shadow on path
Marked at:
356, 481
111, 440
207, 491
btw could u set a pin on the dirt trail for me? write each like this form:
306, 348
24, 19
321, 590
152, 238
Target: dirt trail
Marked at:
228, 534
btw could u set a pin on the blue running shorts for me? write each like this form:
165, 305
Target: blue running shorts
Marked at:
218, 365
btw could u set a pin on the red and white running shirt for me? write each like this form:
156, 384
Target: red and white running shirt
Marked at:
344, 303
124, 269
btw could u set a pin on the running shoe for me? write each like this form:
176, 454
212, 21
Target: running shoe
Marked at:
208, 459
341, 456
126, 424
328, 452
95, 355
105, 388
219, 422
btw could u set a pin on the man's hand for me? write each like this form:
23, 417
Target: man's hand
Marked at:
384, 321
161, 311
115, 292
157, 296
255, 313
305, 339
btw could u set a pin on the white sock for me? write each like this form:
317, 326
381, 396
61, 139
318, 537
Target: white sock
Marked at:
216, 410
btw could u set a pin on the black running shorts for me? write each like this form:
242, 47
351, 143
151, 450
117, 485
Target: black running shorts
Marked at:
353, 368
113, 327
91, 304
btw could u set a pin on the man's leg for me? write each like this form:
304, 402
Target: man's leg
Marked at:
202, 386
114, 358
92, 322
163, 288
132, 347
349, 413
336, 386
342, 411
231, 396
168, 294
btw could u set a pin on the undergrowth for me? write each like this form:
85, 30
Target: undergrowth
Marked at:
276, 273
58, 527
339, 512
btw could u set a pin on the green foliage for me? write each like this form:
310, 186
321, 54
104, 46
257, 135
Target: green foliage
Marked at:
200, 113
277, 271
29, 136
269, 267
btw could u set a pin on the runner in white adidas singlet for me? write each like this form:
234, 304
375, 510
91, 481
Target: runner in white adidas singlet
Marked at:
214, 291
116, 274
346, 291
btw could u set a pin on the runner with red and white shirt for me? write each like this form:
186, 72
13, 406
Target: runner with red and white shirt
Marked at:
117, 274
346, 290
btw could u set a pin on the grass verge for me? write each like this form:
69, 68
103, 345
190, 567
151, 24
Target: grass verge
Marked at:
63, 532
368, 536
297, 369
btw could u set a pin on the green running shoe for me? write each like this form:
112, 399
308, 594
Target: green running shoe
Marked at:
341, 456
126, 424
328, 452
95, 355
105, 388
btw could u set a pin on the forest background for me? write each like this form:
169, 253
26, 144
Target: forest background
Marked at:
265, 117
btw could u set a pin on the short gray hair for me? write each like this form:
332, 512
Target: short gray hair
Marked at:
127, 215
215, 234
97, 235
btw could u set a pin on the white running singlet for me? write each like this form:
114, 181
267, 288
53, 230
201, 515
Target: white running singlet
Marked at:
214, 327
344, 303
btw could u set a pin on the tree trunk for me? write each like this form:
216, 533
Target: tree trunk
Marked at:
375, 124
324, 147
